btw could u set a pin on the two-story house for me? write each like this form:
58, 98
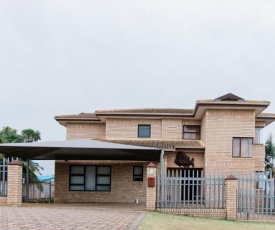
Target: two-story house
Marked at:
217, 135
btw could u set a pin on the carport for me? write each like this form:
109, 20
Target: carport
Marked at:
81, 150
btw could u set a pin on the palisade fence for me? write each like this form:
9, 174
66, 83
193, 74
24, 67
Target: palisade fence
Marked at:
183, 189
4, 175
193, 189
256, 196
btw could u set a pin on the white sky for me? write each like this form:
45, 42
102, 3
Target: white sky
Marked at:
67, 57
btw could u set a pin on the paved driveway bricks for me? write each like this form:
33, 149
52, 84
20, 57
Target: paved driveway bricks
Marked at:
72, 216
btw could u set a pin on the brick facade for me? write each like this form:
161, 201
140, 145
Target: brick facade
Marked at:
14, 196
123, 188
220, 128
219, 121
85, 131
3, 200
203, 213
128, 128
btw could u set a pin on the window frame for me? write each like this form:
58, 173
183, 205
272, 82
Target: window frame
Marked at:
240, 147
138, 166
84, 179
258, 135
199, 132
138, 134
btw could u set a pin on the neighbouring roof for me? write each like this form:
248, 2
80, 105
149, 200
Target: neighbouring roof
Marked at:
160, 144
45, 178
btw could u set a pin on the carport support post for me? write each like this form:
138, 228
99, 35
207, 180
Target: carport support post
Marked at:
14, 197
151, 187
27, 181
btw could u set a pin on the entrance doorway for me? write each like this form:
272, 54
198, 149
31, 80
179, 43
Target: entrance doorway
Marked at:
191, 185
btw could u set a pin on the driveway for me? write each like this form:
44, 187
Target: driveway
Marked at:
72, 216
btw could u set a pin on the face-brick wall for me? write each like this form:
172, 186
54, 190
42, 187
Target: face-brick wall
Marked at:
85, 131
128, 128
220, 128
171, 129
198, 159
123, 188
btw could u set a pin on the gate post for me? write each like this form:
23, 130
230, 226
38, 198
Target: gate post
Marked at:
14, 197
151, 187
231, 197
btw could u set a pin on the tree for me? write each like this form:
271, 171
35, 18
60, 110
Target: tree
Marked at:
269, 155
29, 135
10, 135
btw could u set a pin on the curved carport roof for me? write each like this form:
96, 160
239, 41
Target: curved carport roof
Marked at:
80, 150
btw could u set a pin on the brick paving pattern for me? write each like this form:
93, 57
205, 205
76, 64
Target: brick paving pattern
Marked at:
72, 216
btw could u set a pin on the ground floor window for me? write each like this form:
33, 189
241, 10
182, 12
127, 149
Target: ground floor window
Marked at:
90, 178
138, 173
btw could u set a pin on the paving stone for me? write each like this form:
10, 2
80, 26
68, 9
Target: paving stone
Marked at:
72, 216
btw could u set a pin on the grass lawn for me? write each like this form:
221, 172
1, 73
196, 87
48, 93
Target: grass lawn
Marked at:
156, 220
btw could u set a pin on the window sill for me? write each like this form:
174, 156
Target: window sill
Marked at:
241, 157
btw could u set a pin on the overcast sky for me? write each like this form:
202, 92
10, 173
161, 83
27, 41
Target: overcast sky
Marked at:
67, 57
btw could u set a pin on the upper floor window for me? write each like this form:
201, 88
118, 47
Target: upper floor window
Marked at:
192, 132
258, 138
242, 147
144, 130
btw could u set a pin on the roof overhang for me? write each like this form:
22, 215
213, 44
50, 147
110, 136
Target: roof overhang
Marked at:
202, 106
80, 150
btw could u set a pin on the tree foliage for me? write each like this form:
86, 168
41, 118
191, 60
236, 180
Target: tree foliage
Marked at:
10, 135
29, 135
269, 155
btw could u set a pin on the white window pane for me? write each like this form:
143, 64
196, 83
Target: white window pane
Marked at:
77, 179
76, 187
90, 178
103, 188
103, 180
103, 170
192, 136
257, 138
249, 142
77, 169
191, 129
246, 144
236, 147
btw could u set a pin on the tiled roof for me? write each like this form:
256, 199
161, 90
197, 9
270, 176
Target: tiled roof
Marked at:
233, 102
78, 116
229, 97
158, 111
161, 144
266, 115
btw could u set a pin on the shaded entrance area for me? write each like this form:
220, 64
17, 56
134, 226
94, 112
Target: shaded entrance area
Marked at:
75, 150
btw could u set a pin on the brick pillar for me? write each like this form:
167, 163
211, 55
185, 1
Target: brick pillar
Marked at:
151, 187
231, 197
14, 197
